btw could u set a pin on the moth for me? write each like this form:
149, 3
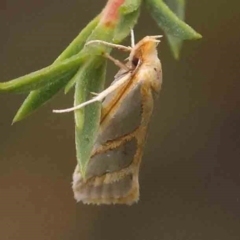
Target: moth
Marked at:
127, 105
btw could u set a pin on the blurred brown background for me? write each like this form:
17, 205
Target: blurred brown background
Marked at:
190, 176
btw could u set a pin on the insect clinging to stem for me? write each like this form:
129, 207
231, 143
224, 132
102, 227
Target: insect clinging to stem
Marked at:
112, 172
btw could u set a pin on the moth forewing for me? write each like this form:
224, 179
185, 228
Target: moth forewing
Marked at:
112, 171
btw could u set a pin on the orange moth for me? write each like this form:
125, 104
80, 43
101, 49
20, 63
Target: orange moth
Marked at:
127, 104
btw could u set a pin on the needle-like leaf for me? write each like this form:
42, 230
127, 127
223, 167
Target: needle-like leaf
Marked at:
178, 7
130, 12
87, 119
169, 21
38, 97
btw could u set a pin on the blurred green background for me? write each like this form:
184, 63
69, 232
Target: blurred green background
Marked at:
190, 174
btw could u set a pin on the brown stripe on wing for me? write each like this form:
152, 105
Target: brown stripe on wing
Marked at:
117, 193
112, 144
109, 107
111, 101
112, 160
122, 118
117, 187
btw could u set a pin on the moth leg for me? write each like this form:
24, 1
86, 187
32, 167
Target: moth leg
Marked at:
118, 46
116, 62
100, 96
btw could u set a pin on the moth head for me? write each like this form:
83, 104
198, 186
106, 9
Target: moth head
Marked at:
144, 50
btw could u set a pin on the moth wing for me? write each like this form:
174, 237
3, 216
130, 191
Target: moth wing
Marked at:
112, 173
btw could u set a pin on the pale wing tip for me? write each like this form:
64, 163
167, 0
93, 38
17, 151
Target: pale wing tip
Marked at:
83, 193
130, 199
76, 184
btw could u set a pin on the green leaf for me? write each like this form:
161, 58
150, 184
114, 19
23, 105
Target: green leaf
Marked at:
126, 23
130, 6
43, 77
49, 74
39, 97
72, 82
78, 43
87, 119
175, 45
178, 7
169, 22
101, 32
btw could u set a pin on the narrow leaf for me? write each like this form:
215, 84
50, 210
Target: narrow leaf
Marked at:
38, 97
130, 6
78, 43
101, 32
169, 22
43, 77
126, 23
178, 7
72, 82
87, 120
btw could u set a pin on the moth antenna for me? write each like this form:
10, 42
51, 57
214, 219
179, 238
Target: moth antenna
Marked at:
99, 97
112, 45
132, 39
